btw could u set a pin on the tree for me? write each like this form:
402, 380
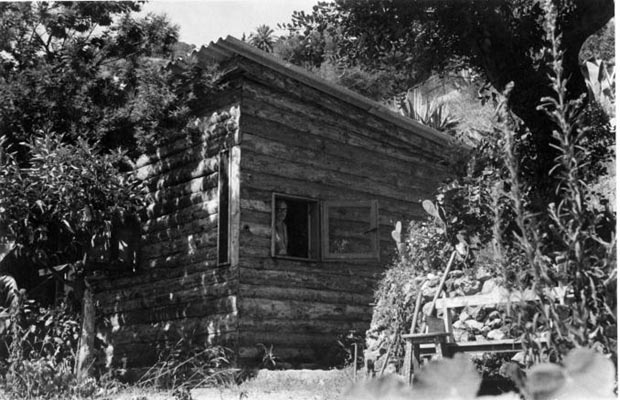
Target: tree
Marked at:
263, 38
84, 89
500, 40
79, 69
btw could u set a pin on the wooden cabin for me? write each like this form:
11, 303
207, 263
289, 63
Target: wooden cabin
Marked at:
272, 224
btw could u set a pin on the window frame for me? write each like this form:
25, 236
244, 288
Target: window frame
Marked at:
374, 253
314, 232
220, 261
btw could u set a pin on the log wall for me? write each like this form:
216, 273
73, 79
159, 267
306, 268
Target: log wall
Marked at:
298, 141
179, 290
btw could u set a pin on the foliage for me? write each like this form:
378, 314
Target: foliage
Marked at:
585, 374
425, 251
79, 81
185, 365
38, 352
427, 112
347, 343
600, 81
67, 196
570, 255
498, 41
600, 45
263, 38
566, 246
75, 69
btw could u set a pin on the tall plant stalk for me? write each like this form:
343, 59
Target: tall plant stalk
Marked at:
573, 268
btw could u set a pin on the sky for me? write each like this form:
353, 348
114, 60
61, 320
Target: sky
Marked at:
203, 21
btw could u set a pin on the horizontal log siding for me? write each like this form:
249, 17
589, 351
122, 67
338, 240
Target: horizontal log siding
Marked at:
179, 291
297, 142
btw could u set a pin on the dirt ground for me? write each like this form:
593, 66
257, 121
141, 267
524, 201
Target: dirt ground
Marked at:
268, 385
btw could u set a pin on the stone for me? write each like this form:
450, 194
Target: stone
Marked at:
467, 286
428, 293
460, 335
464, 315
459, 325
480, 338
455, 274
496, 334
478, 313
494, 315
472, 324
495, 323
488, 286
519, 358
483, 275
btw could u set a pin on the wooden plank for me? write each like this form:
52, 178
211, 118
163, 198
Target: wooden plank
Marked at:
194, 227
174, 295
295, 74
188, 159
347, 160
259, 164
284, 292
346, 119
203, 270
288, 339
205, 210
182, 175
297, 280
235, 207
265, 309
249, 324
333, 145
201, 184
496, 297
189, 244
182, 142
369, 272
336, 128
197, 308
212, 325
178, 258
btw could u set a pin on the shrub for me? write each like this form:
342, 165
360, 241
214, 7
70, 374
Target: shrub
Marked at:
41, 344
493, 213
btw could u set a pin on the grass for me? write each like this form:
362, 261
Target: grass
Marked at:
267, 385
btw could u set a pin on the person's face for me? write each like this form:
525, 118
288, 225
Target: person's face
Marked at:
281, 209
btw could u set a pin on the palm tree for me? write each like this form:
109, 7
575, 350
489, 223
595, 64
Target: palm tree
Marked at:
263, 38
428, 112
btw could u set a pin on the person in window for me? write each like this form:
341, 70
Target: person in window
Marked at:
281, 232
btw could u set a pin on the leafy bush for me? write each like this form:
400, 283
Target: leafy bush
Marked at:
564, 250
41, 344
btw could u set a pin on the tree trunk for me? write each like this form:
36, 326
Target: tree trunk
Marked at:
85, 353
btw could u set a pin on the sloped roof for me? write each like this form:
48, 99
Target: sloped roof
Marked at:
225, 49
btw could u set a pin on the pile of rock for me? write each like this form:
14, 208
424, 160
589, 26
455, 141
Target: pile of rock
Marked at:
472, 323
469, 324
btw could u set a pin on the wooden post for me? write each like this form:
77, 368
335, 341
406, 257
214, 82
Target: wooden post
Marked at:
85, 353
442, 282
354, 362
408, 346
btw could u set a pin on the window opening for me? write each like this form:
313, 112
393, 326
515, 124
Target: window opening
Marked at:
223, 242
294, 227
